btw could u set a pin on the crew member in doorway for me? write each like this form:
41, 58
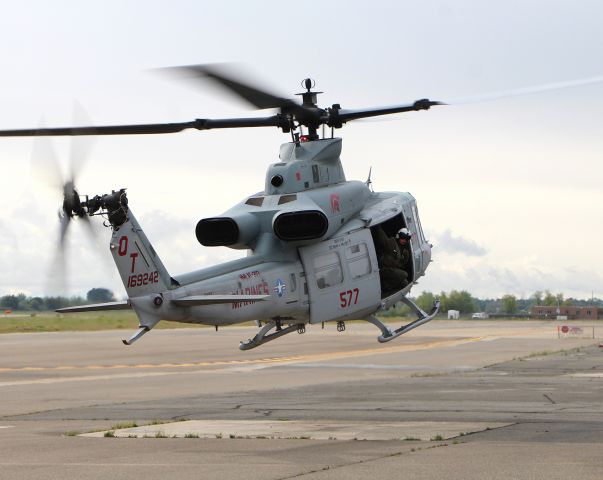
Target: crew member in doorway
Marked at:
403, 239
392, 257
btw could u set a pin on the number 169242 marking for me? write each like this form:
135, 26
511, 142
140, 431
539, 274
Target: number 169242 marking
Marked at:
348, 298
143, 279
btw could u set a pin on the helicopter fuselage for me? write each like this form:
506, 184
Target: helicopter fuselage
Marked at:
331, 280
320, 249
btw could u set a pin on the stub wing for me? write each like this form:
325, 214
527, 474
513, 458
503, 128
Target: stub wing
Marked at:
196, 300
192, 301
96, 307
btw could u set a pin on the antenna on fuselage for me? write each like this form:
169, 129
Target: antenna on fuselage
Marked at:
369, 183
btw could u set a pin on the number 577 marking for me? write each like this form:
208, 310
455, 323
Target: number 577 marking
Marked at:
348, 298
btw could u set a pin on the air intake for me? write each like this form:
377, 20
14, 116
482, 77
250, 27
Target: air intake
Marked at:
227, 231
302, 225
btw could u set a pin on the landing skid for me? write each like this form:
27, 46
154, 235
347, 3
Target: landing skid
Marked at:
142, 329
387, 334
263, 336
139, 333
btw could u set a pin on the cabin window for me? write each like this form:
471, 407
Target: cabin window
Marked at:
327, 268
358, 260
292, 283
255, 201
287, 199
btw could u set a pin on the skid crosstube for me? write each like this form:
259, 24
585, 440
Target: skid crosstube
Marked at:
262, 336
388, 334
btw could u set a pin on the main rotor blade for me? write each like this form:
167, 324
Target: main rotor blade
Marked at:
487, 97
255, 96
152, 128
348, 115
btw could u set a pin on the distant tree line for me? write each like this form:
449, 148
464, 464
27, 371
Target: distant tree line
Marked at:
465, 303
37, 304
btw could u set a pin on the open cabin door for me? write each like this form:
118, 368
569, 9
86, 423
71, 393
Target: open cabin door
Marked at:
342, 277
388, 229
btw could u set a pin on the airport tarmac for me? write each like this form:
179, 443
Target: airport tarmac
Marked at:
452, 399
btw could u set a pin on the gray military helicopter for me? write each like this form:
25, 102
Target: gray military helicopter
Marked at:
318, 244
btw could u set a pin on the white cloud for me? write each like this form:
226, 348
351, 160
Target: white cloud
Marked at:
488, 277
449, 243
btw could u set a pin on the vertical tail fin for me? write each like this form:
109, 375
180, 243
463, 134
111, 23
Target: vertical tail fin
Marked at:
141, 270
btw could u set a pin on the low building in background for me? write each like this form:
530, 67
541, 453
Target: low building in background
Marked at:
571, 313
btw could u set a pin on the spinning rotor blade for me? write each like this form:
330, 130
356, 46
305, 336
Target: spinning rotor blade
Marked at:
45, 165
80, 147
487, 97
152, 128
258, 98
58, 274
106, 130
56, 281
348, 115
291, 116
64, 220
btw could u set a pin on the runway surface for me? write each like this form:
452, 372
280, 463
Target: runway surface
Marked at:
303, 405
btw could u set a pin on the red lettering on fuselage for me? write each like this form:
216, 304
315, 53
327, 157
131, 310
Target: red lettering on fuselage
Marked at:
123, 246
247, 275
259, 288
335, 203
348, 298
143, 279
133, 257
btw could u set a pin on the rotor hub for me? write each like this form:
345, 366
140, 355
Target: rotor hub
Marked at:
309, 98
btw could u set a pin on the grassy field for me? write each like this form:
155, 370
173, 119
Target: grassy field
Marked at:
92, 321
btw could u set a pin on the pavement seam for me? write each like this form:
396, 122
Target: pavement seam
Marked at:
366, 460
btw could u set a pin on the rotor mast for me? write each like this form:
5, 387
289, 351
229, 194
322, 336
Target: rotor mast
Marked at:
312, 120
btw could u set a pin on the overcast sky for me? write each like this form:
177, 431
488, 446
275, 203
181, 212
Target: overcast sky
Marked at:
509, 191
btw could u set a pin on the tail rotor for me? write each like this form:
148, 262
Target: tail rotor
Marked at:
45, 166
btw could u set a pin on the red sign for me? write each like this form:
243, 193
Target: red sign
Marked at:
565, 329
